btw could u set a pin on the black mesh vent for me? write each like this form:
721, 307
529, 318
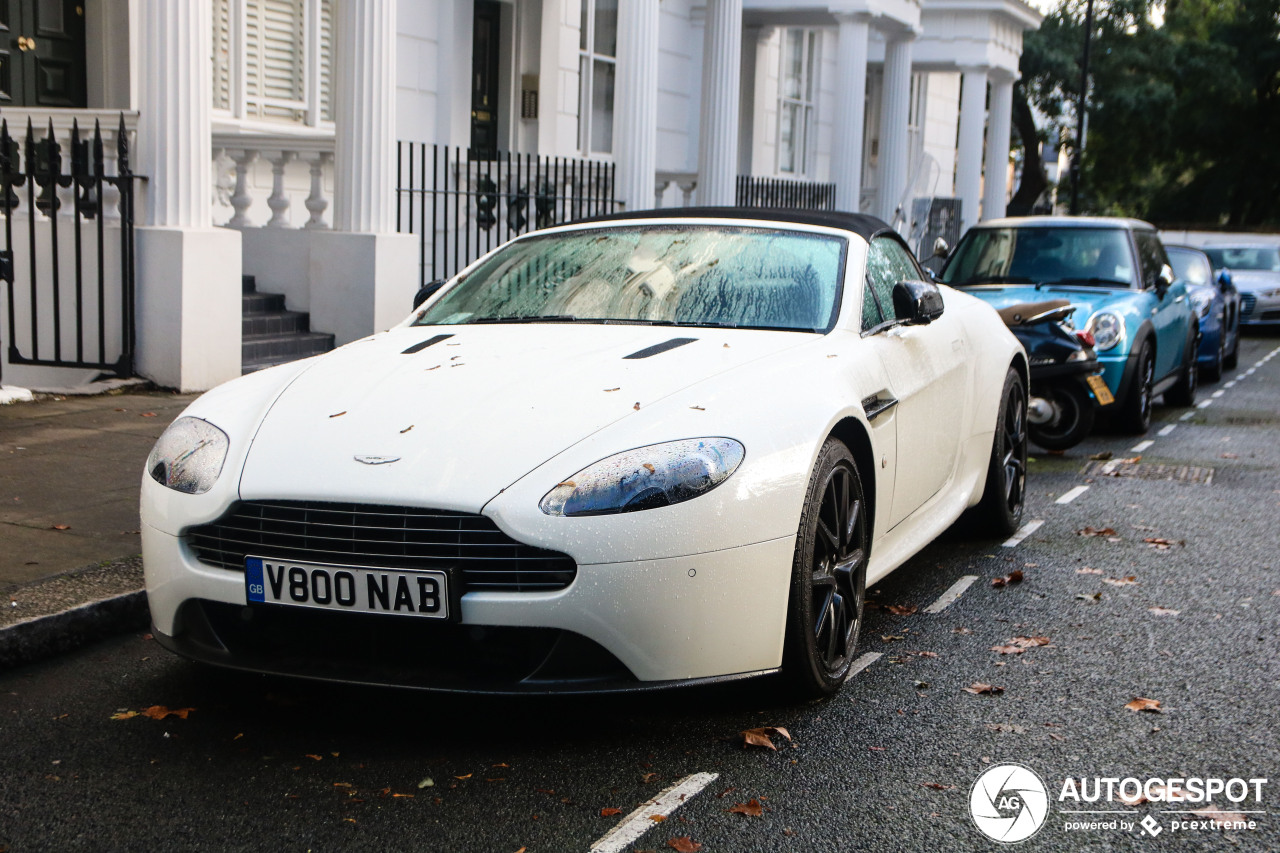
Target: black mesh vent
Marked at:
1247, 303
389, 537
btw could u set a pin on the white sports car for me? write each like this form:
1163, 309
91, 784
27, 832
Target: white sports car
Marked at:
644, 450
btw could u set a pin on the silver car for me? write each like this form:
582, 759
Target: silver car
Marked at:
1255, 271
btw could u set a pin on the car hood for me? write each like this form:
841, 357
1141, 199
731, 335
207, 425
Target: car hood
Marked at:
1086, 300
452, 424
1249, 281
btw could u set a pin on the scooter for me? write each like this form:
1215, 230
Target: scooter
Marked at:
1067, 388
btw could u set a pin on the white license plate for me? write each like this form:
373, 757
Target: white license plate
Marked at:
352, 588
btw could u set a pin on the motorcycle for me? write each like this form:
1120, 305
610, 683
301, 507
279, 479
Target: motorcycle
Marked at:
1067, 389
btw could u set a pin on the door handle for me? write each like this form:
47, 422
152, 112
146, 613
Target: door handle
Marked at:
1179, 299
25, 44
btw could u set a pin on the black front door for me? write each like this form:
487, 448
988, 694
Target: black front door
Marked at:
484, 80
42, 53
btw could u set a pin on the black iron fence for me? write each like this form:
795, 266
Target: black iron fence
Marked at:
66, 306
461, 207
783, 193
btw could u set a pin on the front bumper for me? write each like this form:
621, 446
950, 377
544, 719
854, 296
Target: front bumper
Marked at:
626, 624
1259, 312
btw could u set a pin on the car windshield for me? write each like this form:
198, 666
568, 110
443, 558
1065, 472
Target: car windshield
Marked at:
1042, 255
679, 275
1244, 258
1190, 266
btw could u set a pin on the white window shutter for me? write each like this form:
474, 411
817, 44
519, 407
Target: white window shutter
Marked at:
222, 54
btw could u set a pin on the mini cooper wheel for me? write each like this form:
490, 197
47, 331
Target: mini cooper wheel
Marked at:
1135, 413
828, 576
1000, 510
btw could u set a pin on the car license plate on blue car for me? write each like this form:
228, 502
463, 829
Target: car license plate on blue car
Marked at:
353, 588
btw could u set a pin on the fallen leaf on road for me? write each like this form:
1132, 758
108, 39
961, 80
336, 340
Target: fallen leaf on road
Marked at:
610, 812
60, 527
684, 844
1127, 580
1096, 597
1103, 456
1088, 571
961, 630
762, 736
148, 414
1009, 728
901, 609
648, 777
1164, 544
1014, 576
751, 808
1008, 650
978, 689
1141, 704
468, 776
888, 638
657, 818
1230, 455
427, 783
124, 715
1029, 642
1163, 611
937, 787
1096, 531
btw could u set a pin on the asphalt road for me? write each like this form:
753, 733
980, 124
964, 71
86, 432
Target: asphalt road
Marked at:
269, 764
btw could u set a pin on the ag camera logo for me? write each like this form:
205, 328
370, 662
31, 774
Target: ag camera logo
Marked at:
1009, 803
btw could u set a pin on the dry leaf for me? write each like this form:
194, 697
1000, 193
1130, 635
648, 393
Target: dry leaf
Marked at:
468, 776
1014, 576
889, 638
610, 812
1230, 455
124, 715
961, 630
406, 429
1163, 611
636, 407
61, 527
646, 778
1217, 814
751, 808
1163, 544
608, 390
699, 408
1088, 571
1008, 650
1030, 642
937, 787
762, 736
148, 414
1095, 531
159, 712
902, 609
978, 689
1103, 456
338, 414
427, 783
657, 818
410, 796
1128, 580
315, 757
1097, 596
684, 844
1141, 704
1010, 728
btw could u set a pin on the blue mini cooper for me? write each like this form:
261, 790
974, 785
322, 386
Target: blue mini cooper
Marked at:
1116, 274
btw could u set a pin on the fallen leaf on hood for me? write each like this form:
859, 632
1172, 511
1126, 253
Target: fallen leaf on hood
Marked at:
763, 736
338, 414
684, 844
636, 406
60, 527
159, 712
610, 812
1088, 571
937, 787
751, 808
979, 689
1096, 531
1014, 576
699, 408
1141, 704
406, 429
902, 609
1163, 611
1128, 580
610, 390
1219, 815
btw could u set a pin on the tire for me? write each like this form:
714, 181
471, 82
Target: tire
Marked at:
828, 576
1000, 510
1213, 372
1183, 392
1232, 358
1074, 422
1135, 410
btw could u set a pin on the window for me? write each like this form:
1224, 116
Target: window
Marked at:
597, 63
796, 86
888, 262
1151, 255
272, 60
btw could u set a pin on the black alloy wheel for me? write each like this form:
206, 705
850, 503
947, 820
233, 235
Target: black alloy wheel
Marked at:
1003, 498
1136, 414
829, 576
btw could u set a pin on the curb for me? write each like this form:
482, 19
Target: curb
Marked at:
46, 636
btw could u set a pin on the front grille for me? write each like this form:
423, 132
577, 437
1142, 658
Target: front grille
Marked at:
1269, 316
1247, 301
386, 537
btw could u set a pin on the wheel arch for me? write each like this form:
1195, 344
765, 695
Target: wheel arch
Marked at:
851, 431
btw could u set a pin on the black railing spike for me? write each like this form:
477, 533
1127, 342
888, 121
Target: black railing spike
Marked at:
122, 148
97, 150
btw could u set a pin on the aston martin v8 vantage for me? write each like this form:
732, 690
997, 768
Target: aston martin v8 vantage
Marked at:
646, 450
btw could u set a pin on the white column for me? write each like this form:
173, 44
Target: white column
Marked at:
364, 115
718, 131
636, 106
175, 148
851, 109
973, 108
894, 115
995, 197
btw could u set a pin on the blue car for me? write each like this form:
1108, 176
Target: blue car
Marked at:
1116, 274
1217, 303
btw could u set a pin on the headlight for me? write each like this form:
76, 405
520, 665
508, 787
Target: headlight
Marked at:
189, 456
1201, 300
646, 478
1107, 330
1269, 294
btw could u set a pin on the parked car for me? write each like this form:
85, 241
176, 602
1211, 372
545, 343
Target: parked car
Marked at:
1117, 275
628, 453
1217, 304
1255, 271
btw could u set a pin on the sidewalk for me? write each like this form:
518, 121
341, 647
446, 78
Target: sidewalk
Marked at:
70, 469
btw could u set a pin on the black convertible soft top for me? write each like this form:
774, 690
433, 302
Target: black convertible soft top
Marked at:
859, 223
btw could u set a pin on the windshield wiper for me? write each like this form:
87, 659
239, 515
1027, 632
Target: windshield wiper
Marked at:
994, 279
1093, 280
528, 318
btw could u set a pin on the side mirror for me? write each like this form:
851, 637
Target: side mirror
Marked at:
427, 291
1224, 279
917, 302
1164, 281
941, 248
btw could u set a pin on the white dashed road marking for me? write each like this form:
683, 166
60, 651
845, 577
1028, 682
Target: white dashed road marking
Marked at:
1230, 384
1216, 394
1204, 404
1165, 430
953, 592
1141, 446
1023, 532
863, 662
641, 820
1072, 495
1187, 416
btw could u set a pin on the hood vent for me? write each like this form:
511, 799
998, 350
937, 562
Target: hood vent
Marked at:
421, 345
661, 348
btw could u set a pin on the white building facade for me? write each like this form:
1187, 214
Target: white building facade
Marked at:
273, 137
